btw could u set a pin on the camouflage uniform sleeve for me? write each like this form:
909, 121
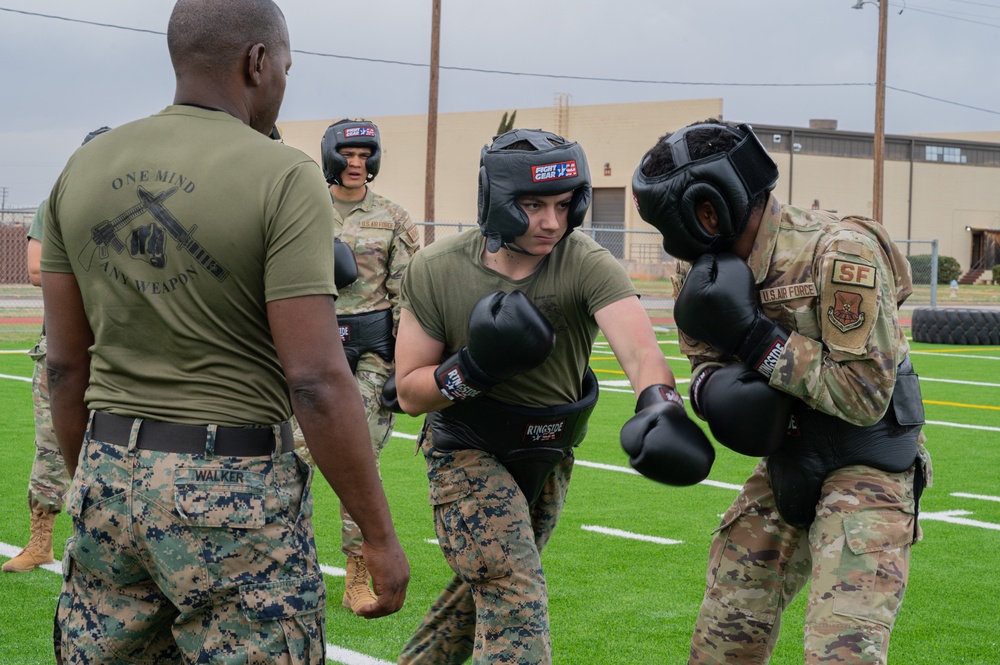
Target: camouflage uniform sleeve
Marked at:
405, 242
850, 371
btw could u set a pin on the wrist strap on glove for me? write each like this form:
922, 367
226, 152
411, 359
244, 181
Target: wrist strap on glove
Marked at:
694, 392
459, 378
763, 345
657, 393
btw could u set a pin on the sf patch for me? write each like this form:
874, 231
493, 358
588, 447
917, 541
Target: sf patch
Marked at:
854, 274
849, 303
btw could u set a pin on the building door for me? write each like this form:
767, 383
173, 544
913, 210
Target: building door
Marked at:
608, 219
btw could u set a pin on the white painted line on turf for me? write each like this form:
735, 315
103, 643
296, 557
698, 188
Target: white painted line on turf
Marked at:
432, 541
333, 571
16, 378
924, 379
985, 428
634, 536
10, 552
984, 497
348, 657
12, 353
952, 355
952, 517
625, 469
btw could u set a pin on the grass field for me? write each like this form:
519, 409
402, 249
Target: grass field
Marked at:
614, 599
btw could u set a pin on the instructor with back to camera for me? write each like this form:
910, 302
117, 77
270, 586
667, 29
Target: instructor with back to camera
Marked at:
176, 360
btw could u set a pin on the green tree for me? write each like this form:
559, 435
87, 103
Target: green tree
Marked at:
506, 124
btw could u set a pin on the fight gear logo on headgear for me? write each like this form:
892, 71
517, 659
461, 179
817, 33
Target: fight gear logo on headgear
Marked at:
525, 162
349, 134
728, 180
557, 171
358, 131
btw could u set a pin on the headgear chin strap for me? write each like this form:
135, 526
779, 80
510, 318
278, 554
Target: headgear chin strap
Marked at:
728, 180
349, 134
551, 165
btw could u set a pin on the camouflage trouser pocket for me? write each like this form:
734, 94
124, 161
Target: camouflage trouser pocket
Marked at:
220, 497
467, 529
874, 566
286, 621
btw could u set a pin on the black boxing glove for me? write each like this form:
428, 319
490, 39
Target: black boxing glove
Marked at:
345, 266
507, 336
389, 398
718, 305
663, 443
743, 412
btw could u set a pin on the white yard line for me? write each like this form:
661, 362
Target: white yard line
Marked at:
633, 536
983, 497
15, 378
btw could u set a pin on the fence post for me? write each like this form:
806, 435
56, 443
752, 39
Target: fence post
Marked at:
934, 271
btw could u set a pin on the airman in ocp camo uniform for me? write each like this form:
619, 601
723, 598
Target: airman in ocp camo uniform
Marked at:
790, 320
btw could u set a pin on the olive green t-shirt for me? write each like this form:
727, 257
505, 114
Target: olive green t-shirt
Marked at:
447, 278
37, 228
179, 229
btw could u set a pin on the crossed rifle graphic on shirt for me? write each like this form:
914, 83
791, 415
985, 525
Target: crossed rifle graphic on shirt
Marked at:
148, 240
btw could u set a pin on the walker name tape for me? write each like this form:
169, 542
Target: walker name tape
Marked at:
556, 171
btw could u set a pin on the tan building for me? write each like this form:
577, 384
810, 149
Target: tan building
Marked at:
944, 187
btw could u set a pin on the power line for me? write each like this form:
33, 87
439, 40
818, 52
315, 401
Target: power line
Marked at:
567, 77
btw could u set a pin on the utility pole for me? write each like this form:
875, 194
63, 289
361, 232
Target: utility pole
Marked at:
432, 109
883, 20
3, 202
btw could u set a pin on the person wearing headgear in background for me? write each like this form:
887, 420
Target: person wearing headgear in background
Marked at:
373, 241
789, 318
188, 281
495, 334
49, 480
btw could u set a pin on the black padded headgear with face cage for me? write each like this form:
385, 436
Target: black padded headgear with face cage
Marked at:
728, 180
349, 134
96, 132
551, 165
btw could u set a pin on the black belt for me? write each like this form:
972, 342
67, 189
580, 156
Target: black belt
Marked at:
189, 439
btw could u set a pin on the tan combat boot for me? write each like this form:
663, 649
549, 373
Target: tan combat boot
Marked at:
357, 591
39, 548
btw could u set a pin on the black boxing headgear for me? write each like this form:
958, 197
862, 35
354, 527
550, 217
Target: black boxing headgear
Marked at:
543, 164
729, 180
96, 132
349, 134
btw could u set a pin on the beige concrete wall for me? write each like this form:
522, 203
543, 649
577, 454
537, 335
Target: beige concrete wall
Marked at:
946, 197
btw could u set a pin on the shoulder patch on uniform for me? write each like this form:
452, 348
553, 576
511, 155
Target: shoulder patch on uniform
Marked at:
413, 233
845, 313
853, 274
377, 224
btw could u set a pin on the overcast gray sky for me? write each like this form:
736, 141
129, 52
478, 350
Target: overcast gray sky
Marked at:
793, 60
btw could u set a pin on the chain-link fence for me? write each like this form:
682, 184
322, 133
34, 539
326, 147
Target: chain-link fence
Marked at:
639, 251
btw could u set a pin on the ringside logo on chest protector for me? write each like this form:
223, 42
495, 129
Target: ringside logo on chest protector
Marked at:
544, 432
556, 171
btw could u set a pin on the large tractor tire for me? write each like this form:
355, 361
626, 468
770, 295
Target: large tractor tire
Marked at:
951, 325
